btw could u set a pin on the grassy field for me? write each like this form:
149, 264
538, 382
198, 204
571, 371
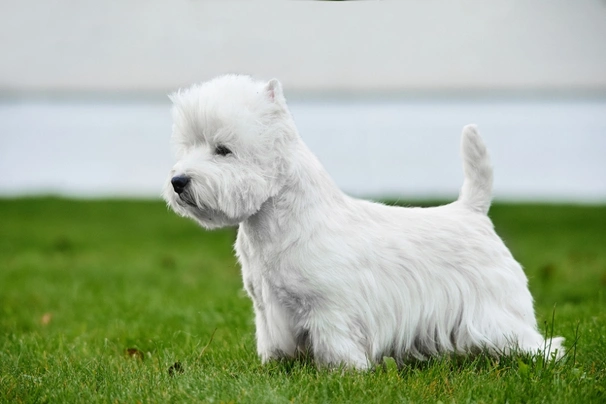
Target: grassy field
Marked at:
114, 301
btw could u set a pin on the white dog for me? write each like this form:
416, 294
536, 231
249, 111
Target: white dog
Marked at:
343, 280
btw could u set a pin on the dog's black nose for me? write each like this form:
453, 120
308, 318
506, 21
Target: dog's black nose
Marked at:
179, 183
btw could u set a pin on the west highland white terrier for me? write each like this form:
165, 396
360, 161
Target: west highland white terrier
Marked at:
342, 280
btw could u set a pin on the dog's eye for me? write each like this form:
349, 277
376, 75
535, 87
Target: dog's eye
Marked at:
222, 150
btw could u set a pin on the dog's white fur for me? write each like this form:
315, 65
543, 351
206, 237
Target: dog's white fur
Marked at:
343, 280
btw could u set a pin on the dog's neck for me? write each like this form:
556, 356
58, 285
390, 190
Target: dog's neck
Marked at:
303, 203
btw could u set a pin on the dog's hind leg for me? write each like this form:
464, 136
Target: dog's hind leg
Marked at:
534, 343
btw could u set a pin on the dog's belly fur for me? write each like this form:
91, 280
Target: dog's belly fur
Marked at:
400, 286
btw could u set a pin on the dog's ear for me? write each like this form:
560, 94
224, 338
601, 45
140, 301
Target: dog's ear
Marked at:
273, 89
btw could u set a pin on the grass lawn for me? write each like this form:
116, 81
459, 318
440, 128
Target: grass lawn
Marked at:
117, 301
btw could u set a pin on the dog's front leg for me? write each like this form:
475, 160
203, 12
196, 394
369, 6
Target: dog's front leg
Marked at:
265, 348
275, 339
334, 343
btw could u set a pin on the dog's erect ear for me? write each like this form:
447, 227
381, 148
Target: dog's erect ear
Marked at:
175, 96
273, 89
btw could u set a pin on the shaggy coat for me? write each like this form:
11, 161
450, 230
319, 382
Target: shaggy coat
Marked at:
343, 280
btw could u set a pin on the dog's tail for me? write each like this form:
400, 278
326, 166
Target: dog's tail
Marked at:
477, 186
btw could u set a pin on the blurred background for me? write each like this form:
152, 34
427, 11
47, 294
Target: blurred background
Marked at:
107, 296
379, 90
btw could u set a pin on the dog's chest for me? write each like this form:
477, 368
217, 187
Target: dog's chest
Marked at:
274, 277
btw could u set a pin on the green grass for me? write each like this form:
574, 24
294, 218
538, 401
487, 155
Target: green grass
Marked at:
82, 282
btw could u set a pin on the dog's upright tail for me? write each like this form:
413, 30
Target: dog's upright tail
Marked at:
477, 186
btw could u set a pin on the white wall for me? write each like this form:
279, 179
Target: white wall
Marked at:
157, 45
541, 151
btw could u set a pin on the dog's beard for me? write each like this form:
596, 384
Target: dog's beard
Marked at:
200, 210
187, 199
188, 205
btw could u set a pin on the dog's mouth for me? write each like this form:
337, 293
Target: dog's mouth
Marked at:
185, 198
191, 206
200, 210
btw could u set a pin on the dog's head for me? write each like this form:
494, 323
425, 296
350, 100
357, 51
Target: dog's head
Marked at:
232, 138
